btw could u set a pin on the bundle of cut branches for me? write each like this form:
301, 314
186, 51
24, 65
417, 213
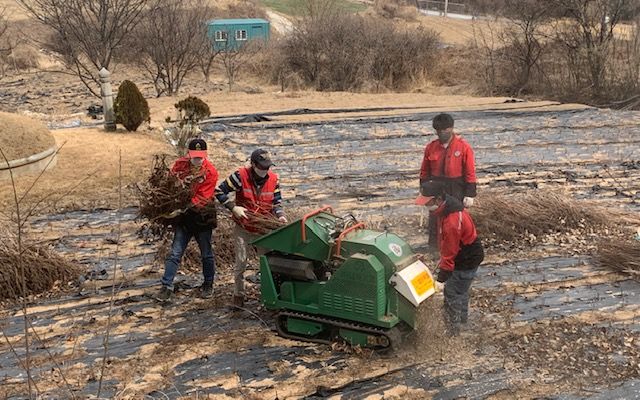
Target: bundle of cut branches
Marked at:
620, 255
506, 218
264, 223
162, 194
42, 267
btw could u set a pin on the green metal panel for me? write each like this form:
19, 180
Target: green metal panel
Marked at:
303, 327
302, 293
388, 248
354, 338
288, 239
357, 292
407, 312
267, 285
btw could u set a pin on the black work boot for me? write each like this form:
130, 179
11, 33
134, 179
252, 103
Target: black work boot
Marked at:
164, 295
206, 290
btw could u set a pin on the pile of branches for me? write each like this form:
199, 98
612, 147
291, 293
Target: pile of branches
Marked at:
529, 216
620, 255
162, 194
43, 268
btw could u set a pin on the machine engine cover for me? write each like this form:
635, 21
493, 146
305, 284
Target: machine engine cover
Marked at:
415, 283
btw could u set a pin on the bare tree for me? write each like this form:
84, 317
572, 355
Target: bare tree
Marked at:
8, 41
88, 33
235, 54
170, 41
486, 41
207, 52
589, 36
523, 39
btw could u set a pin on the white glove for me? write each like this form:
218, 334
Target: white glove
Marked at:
467, 202
282, 219
239, 212
439, 286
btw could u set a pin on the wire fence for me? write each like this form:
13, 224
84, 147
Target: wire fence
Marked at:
442, 7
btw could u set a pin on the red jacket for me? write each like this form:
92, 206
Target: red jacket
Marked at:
454, 164
204, 179
457, 237
256, 202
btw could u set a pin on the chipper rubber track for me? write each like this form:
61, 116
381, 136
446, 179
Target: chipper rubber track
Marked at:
330, 330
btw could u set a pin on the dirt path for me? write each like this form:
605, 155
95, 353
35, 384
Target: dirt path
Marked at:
280, 23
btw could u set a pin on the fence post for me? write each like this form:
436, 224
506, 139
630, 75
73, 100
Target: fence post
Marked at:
446, 7
107, 100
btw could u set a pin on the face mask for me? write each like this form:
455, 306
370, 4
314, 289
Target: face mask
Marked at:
197, 161
444, 136
432, 208
260, 172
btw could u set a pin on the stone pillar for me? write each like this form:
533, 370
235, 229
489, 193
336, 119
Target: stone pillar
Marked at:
107, 100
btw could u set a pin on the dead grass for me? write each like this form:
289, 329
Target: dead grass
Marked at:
21, 136
90, 154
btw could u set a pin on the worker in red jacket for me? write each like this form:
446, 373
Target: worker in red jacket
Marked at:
461, 251
449, 159
257, 195
197, 172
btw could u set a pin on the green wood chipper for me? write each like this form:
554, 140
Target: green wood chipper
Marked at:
330, 279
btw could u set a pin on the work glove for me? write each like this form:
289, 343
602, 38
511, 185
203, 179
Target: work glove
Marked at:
443, 276
239, 212
467, 202
174, 213
439, 287
282, 219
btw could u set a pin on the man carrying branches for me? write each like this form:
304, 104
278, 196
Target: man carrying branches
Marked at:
257, 199
197, 221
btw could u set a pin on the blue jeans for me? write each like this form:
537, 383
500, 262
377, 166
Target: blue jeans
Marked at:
181, 239
456, 295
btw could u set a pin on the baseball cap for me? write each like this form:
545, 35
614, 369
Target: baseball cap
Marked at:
261, 158
429, 190
197, 148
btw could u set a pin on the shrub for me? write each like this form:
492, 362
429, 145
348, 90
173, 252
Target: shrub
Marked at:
130, 107
192, 109
337, 52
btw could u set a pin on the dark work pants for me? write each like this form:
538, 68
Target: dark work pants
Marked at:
456, 295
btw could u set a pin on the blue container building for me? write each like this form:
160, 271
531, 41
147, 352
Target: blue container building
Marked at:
231, 34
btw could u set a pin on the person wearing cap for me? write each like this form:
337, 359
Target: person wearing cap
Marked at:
198, 173
461, 251
449, 159
257, 193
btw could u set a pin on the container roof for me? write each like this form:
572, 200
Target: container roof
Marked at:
238, 21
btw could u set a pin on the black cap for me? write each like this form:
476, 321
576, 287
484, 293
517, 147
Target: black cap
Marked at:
261, 158
198, 148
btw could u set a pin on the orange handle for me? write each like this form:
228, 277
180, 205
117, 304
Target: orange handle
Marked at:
309, 215
344, 233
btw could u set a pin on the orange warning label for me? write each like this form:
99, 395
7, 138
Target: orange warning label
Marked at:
422, 283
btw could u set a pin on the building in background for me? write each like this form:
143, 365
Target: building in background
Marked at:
231, 34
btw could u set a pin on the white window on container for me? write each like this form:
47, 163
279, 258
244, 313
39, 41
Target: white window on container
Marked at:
221, 36
241, 34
